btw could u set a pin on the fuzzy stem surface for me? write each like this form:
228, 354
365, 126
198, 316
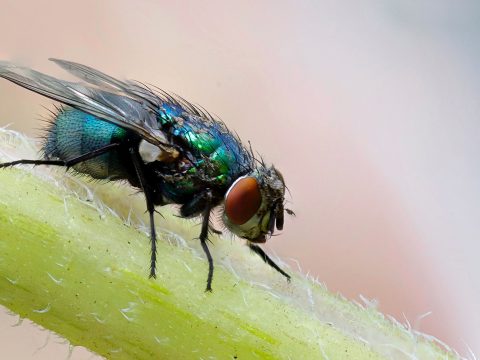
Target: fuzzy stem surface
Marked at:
74, 259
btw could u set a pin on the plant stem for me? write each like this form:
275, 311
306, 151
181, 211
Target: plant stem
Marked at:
71, 265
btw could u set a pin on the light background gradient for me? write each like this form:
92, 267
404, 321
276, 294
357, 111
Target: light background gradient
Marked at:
370, 109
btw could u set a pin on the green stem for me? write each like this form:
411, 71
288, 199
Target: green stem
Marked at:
70, 264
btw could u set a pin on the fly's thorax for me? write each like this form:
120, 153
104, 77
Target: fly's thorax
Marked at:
254, 204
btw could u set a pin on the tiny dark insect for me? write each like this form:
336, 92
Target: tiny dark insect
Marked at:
173, 151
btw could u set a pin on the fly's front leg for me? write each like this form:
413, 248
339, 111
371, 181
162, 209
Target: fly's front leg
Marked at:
137, 163
259, 251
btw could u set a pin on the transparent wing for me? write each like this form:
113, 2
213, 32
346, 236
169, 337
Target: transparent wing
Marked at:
108, 83
135, 90
129, 106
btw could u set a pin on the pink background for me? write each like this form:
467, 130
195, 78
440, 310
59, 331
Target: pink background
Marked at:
370, 109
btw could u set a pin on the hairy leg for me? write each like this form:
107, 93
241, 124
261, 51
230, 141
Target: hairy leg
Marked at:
66, 163
138, 165
259, 251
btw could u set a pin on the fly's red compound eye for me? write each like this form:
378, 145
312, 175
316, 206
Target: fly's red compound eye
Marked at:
243, 200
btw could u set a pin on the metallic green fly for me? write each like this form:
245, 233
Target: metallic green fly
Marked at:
173, 151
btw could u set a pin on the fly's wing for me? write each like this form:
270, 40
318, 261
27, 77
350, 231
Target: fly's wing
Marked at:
131, 89
108, 83
113, 104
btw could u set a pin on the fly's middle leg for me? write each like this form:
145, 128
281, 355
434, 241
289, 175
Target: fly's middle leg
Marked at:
204, 238
202, 204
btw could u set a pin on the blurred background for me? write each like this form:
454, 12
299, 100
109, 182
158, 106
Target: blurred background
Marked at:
370, 108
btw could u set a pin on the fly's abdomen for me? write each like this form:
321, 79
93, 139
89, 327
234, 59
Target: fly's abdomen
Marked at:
75, 133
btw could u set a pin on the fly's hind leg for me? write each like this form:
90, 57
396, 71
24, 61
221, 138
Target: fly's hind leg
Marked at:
137, 163
259, 251
66, 163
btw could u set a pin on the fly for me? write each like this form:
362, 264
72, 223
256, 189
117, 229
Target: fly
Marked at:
173, 151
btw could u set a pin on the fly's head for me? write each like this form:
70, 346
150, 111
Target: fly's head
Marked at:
253, 205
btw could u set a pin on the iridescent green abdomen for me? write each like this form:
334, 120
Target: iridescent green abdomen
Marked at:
74, 133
